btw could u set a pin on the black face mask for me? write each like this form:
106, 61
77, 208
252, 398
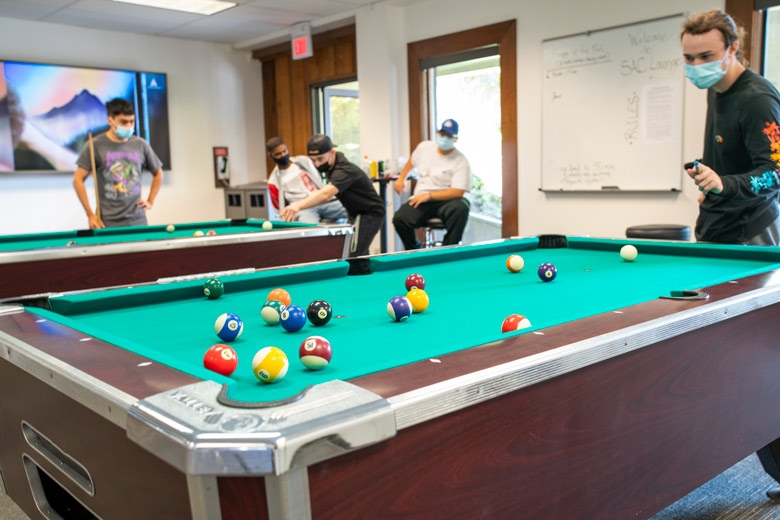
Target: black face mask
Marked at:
324, 167
282, 161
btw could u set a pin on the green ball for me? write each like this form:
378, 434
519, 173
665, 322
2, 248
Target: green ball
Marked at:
272, 312
213, 288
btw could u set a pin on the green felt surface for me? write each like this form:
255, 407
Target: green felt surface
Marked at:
470, 289
135, 234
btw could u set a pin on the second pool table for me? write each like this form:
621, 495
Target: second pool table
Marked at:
612, 405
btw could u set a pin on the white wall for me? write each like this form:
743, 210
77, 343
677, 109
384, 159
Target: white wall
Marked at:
569, 213
214, 99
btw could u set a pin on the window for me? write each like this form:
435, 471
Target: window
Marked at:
336, 112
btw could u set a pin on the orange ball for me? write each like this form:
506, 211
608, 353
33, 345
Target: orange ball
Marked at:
419, 300
280, 295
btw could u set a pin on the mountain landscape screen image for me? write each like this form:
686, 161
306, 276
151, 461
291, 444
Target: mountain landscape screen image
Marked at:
47, 112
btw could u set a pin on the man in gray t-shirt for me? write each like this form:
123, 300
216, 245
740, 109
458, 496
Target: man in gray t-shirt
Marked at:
120, 157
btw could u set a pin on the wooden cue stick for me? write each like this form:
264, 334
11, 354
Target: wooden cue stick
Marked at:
94, 175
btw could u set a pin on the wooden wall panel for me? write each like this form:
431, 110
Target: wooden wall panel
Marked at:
287, 84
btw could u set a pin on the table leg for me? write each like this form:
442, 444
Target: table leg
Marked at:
288, 495
204, 497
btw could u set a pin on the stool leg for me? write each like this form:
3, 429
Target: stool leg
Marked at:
428, 238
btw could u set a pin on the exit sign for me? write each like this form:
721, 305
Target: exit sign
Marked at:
301, 41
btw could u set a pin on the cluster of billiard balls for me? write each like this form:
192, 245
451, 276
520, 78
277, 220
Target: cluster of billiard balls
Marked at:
269, 364
400, 308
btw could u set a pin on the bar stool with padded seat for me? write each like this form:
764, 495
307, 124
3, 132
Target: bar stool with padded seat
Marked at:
431, 226
660, 232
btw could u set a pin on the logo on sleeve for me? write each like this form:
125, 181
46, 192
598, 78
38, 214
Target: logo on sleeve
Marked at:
772, 132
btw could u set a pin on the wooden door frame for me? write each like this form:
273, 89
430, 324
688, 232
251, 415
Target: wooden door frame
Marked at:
504, 35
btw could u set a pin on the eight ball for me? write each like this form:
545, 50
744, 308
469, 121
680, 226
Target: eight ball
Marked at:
319, 312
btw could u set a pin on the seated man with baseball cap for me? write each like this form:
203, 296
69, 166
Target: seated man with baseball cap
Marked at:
444, 179
348, 183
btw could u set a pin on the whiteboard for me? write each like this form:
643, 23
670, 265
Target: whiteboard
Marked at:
612, 109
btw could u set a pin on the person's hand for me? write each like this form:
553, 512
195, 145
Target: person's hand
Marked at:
418, 199
289, 212
398, 185
705, 178
144, 204
95, 222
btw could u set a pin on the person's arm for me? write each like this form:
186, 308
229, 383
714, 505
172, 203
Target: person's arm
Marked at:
445, 194
318, 197
399, 182
81, 192
153, 191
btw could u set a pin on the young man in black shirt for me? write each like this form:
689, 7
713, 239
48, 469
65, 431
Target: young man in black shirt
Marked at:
738, 173
350, 185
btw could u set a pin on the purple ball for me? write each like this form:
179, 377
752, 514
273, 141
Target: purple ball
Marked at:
399, 308
547, 272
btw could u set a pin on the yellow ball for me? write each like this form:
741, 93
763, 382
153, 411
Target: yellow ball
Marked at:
419, 300
170, 228
267, 225
199, 234
270, 364
628, 253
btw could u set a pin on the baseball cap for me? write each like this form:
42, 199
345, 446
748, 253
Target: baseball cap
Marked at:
449, 127
319, 144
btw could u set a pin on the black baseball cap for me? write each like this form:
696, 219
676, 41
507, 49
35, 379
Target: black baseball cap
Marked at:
319, 144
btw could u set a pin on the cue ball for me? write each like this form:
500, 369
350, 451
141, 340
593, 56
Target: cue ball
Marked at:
271, 312
228, 326
399, 308
515, 322
319, 312
628, 253
72, 243
213, 288
415, 281
281, 295
170, 228
419, 300
293, 318
199, 233
270, 364
547, 272
221, 358
515, 263
267, 225
315, 352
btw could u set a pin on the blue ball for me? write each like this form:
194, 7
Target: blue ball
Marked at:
399, 308
547, 272
228, 326
293, 318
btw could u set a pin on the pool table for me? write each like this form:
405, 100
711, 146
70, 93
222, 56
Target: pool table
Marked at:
86, 259
636, 383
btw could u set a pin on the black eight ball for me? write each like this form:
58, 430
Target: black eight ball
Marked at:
319, 312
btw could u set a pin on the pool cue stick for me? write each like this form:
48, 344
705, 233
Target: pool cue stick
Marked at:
94, 175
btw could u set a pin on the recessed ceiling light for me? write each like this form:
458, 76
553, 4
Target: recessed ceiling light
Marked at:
206, 7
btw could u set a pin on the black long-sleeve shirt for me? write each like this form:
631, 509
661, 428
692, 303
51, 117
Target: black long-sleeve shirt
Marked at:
742, 145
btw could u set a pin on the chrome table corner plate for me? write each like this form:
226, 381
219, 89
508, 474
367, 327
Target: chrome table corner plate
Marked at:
190, 430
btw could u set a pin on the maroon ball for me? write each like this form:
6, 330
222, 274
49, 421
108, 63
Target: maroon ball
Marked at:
315, 352
415, 281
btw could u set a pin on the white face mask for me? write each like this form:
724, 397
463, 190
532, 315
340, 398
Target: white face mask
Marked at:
445, 143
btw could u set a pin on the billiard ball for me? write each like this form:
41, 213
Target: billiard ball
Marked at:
199, 233
319, 312
419, 300
515, 263
281, 295
271, 312
268, 225
628, 253
547, 272
270, 364
399, 308
221, 358
170, 228
213, 288
515, 322
292, 318
211, 233
315, 352
72, 243
228, 326
415, 281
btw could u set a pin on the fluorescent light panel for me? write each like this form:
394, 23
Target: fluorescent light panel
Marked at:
206, 7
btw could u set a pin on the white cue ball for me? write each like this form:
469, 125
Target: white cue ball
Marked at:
170, 228
628, 253
267, 225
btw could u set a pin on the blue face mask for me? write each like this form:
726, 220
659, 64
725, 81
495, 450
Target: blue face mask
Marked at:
445, 143
706, 74
124, 132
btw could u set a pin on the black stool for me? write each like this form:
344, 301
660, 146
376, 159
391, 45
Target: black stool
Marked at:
431, 226
660, 232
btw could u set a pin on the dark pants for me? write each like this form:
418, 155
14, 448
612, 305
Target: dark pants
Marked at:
367, 226
454, 213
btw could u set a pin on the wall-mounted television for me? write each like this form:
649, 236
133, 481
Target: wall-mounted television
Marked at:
47, 112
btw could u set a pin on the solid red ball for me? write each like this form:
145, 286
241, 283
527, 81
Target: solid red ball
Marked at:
415, 281
221, 358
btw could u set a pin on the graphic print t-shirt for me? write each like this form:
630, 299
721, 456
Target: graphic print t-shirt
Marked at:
119, 167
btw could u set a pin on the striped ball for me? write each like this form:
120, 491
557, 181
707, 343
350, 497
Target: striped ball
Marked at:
399, 308
270, 364
228, 326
